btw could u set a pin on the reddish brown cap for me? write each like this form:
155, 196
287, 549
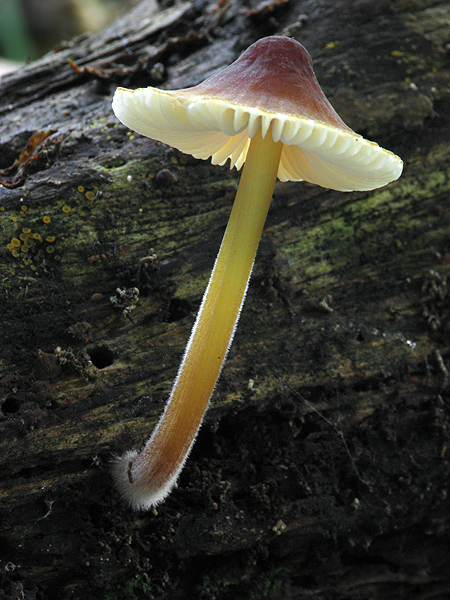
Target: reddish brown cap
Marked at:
273, 86
274, 74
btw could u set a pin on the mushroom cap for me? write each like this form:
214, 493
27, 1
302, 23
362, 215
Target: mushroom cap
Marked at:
272, 85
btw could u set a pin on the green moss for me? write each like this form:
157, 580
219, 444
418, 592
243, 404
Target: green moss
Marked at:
430, 22
273, 587
219, 588
131, 590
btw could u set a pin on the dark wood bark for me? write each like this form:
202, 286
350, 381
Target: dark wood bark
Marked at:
322, 468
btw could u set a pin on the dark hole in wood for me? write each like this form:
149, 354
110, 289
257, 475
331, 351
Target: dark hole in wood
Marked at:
101, 357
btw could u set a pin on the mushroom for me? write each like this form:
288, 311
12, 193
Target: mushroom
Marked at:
267, 113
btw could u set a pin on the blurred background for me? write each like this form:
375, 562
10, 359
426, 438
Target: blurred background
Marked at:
30, 28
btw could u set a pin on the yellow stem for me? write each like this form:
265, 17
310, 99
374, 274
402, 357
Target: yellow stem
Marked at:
153, 472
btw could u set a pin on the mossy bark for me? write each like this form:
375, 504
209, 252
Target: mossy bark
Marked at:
322, 467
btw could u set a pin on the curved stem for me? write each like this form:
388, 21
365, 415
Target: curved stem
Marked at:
146, 478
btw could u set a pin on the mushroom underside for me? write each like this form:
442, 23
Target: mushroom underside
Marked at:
209, 128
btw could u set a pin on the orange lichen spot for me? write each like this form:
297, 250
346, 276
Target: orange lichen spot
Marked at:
2, 209
15, 242
90, 195
26, 230
10, 247
47, 220
23, 237
66, 209
15, 253
50, 239
37, 237
33, 267
50, 249
29, 243
14, 219
24, 249
80, 188
24, 208
331, 45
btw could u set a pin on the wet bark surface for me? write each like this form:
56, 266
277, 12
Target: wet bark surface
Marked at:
322, 467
